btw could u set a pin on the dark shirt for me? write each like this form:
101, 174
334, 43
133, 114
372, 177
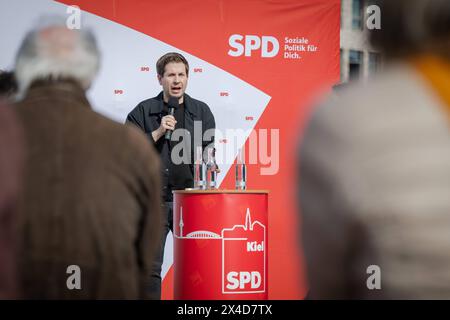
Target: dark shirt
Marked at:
147, 116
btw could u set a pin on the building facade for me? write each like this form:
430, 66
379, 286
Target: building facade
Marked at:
358, 59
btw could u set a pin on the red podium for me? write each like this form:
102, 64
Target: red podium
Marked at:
220, 244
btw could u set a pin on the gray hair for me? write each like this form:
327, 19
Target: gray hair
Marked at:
53, 51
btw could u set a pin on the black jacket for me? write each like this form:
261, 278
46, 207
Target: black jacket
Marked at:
148, 114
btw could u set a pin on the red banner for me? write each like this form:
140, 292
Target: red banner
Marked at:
288, 50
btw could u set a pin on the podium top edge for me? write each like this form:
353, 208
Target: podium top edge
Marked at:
193, 191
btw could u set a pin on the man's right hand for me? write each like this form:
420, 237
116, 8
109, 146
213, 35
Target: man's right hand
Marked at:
167, 123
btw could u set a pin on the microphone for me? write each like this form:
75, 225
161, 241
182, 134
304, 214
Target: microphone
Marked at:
173, 104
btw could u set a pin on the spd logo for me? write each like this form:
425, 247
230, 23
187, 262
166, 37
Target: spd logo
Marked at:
265, 46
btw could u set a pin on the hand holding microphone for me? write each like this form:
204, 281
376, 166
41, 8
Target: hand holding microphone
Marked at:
167, 123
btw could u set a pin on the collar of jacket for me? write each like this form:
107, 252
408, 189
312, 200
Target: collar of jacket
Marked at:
189, 105
64, 87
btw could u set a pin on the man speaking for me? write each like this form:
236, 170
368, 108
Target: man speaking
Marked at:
170, 111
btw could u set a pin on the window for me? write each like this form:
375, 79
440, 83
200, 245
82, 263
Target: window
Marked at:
342, 65
357, 14
355, 62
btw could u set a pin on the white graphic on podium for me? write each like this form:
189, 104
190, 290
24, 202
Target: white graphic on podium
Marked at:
201, 234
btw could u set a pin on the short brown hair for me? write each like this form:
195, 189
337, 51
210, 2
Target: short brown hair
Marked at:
168, 58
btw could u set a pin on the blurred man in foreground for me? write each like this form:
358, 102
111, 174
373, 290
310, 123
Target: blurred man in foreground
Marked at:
11, 161
8, 84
